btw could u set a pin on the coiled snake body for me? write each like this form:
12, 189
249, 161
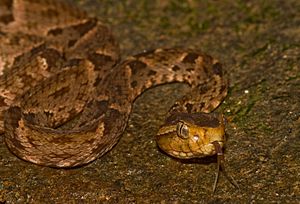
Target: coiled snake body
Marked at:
65, 98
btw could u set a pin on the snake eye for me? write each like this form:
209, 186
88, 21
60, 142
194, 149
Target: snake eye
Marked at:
182, 130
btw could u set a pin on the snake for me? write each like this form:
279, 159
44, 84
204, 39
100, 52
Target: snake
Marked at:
66, 95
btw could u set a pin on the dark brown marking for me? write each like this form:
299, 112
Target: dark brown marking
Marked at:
71, 43
217, 69
205, 70
60, 92
189, 107
202, 104
98, 81
113, 121
207, 59
102, 105
49, 114
8, 4
52, 57
223, 88
6, 19
28, 56
190, 58
13, 115
82, 29
2, 103
151, 73
85, 27
99, 60
190, 69
136, 65
199, 119
134, 84
55, 32
175, 68
73, 63
203, 89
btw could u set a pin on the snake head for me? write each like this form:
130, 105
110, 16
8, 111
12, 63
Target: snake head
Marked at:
192, 135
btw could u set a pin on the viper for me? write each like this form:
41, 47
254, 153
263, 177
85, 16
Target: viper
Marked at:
65, 95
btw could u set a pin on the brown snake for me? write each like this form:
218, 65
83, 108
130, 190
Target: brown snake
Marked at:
65, 98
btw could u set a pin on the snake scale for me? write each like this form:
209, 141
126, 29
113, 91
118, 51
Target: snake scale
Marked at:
65, 95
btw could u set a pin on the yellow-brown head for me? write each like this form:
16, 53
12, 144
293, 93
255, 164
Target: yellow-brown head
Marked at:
191, 135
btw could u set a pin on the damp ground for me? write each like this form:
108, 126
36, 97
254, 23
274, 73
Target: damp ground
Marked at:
259, 45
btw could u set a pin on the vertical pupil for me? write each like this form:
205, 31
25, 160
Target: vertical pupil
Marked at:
182, 130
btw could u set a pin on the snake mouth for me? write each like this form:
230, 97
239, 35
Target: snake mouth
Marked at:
213, 148
183, 155
218, 147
